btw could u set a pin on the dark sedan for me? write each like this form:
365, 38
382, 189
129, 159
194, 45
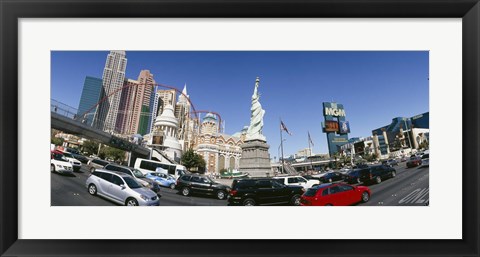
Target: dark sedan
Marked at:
81, 158
331, 177
353, 176
414, 162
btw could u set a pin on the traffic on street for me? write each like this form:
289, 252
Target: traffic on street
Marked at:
407, 187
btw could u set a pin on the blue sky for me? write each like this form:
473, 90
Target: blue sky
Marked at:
374, 87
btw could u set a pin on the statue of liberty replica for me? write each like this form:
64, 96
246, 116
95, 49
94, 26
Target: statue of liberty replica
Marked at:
255, 157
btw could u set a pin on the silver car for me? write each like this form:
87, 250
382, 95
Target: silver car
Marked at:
120, 188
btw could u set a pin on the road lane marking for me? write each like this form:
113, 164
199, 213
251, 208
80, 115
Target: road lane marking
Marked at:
417, 196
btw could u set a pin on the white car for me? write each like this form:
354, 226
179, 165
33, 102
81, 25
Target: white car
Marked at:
75, 163
296, 181
425, 160
58, 163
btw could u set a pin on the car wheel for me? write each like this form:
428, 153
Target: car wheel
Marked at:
185, 191
52, 168
221, 194
249, 202
92, 170
393, 174
365, 197
92, 189
131, 202
295, 200
172, 186
378, 180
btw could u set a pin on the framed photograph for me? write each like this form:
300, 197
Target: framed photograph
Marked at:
151, 103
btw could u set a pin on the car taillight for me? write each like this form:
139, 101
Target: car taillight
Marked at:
233, 192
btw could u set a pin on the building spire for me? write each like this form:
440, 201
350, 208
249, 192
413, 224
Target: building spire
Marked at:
184, 91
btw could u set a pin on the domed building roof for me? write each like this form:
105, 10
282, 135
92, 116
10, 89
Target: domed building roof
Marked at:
167, 118
210, 117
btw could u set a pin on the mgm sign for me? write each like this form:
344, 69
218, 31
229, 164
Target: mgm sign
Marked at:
335, 126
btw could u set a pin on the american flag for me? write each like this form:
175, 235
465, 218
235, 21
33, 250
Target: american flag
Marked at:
283, 127
310, 139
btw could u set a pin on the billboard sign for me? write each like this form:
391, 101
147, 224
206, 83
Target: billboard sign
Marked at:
344, 127
337, 112
331, 126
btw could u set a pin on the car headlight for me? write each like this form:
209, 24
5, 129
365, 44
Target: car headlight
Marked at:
144, 197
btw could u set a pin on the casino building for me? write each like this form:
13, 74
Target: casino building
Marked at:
402, 133
220, 151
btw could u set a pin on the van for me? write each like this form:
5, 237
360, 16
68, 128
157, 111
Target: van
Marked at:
147, 166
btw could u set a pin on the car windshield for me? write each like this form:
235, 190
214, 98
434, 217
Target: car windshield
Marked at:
132, 183
68, 155
138, 173
208, 180
353, 172
181, 172
311, 191
59, 157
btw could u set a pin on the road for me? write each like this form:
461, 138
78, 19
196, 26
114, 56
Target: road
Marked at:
410, 187
71, 191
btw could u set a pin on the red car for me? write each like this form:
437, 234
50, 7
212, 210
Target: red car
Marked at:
414, 162
337, 194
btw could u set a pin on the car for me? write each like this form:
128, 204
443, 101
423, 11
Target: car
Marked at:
201, 184
75, 163
425, 160
137, 175
120, 188
390, 162
96, 164
72, 150
310, 177
162, 179
335, 194
296, 181
81, 158
353, 176
263, 191
376, 174
414, 162
331, 177
60, 164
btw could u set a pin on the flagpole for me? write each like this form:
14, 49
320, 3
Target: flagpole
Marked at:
281, 146
310, 149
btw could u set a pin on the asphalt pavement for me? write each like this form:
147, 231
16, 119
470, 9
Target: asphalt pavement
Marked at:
410, 187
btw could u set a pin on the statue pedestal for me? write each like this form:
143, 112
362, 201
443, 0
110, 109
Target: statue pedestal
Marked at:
255, 158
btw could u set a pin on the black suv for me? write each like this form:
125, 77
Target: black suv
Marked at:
263, 191
376, 174
196, 183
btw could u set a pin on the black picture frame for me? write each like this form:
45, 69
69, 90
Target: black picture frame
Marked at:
11, 11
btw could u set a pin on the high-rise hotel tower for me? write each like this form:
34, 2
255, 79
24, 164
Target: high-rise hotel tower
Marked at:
113, 79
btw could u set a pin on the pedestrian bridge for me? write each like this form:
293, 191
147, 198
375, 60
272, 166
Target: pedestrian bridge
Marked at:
71, 126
